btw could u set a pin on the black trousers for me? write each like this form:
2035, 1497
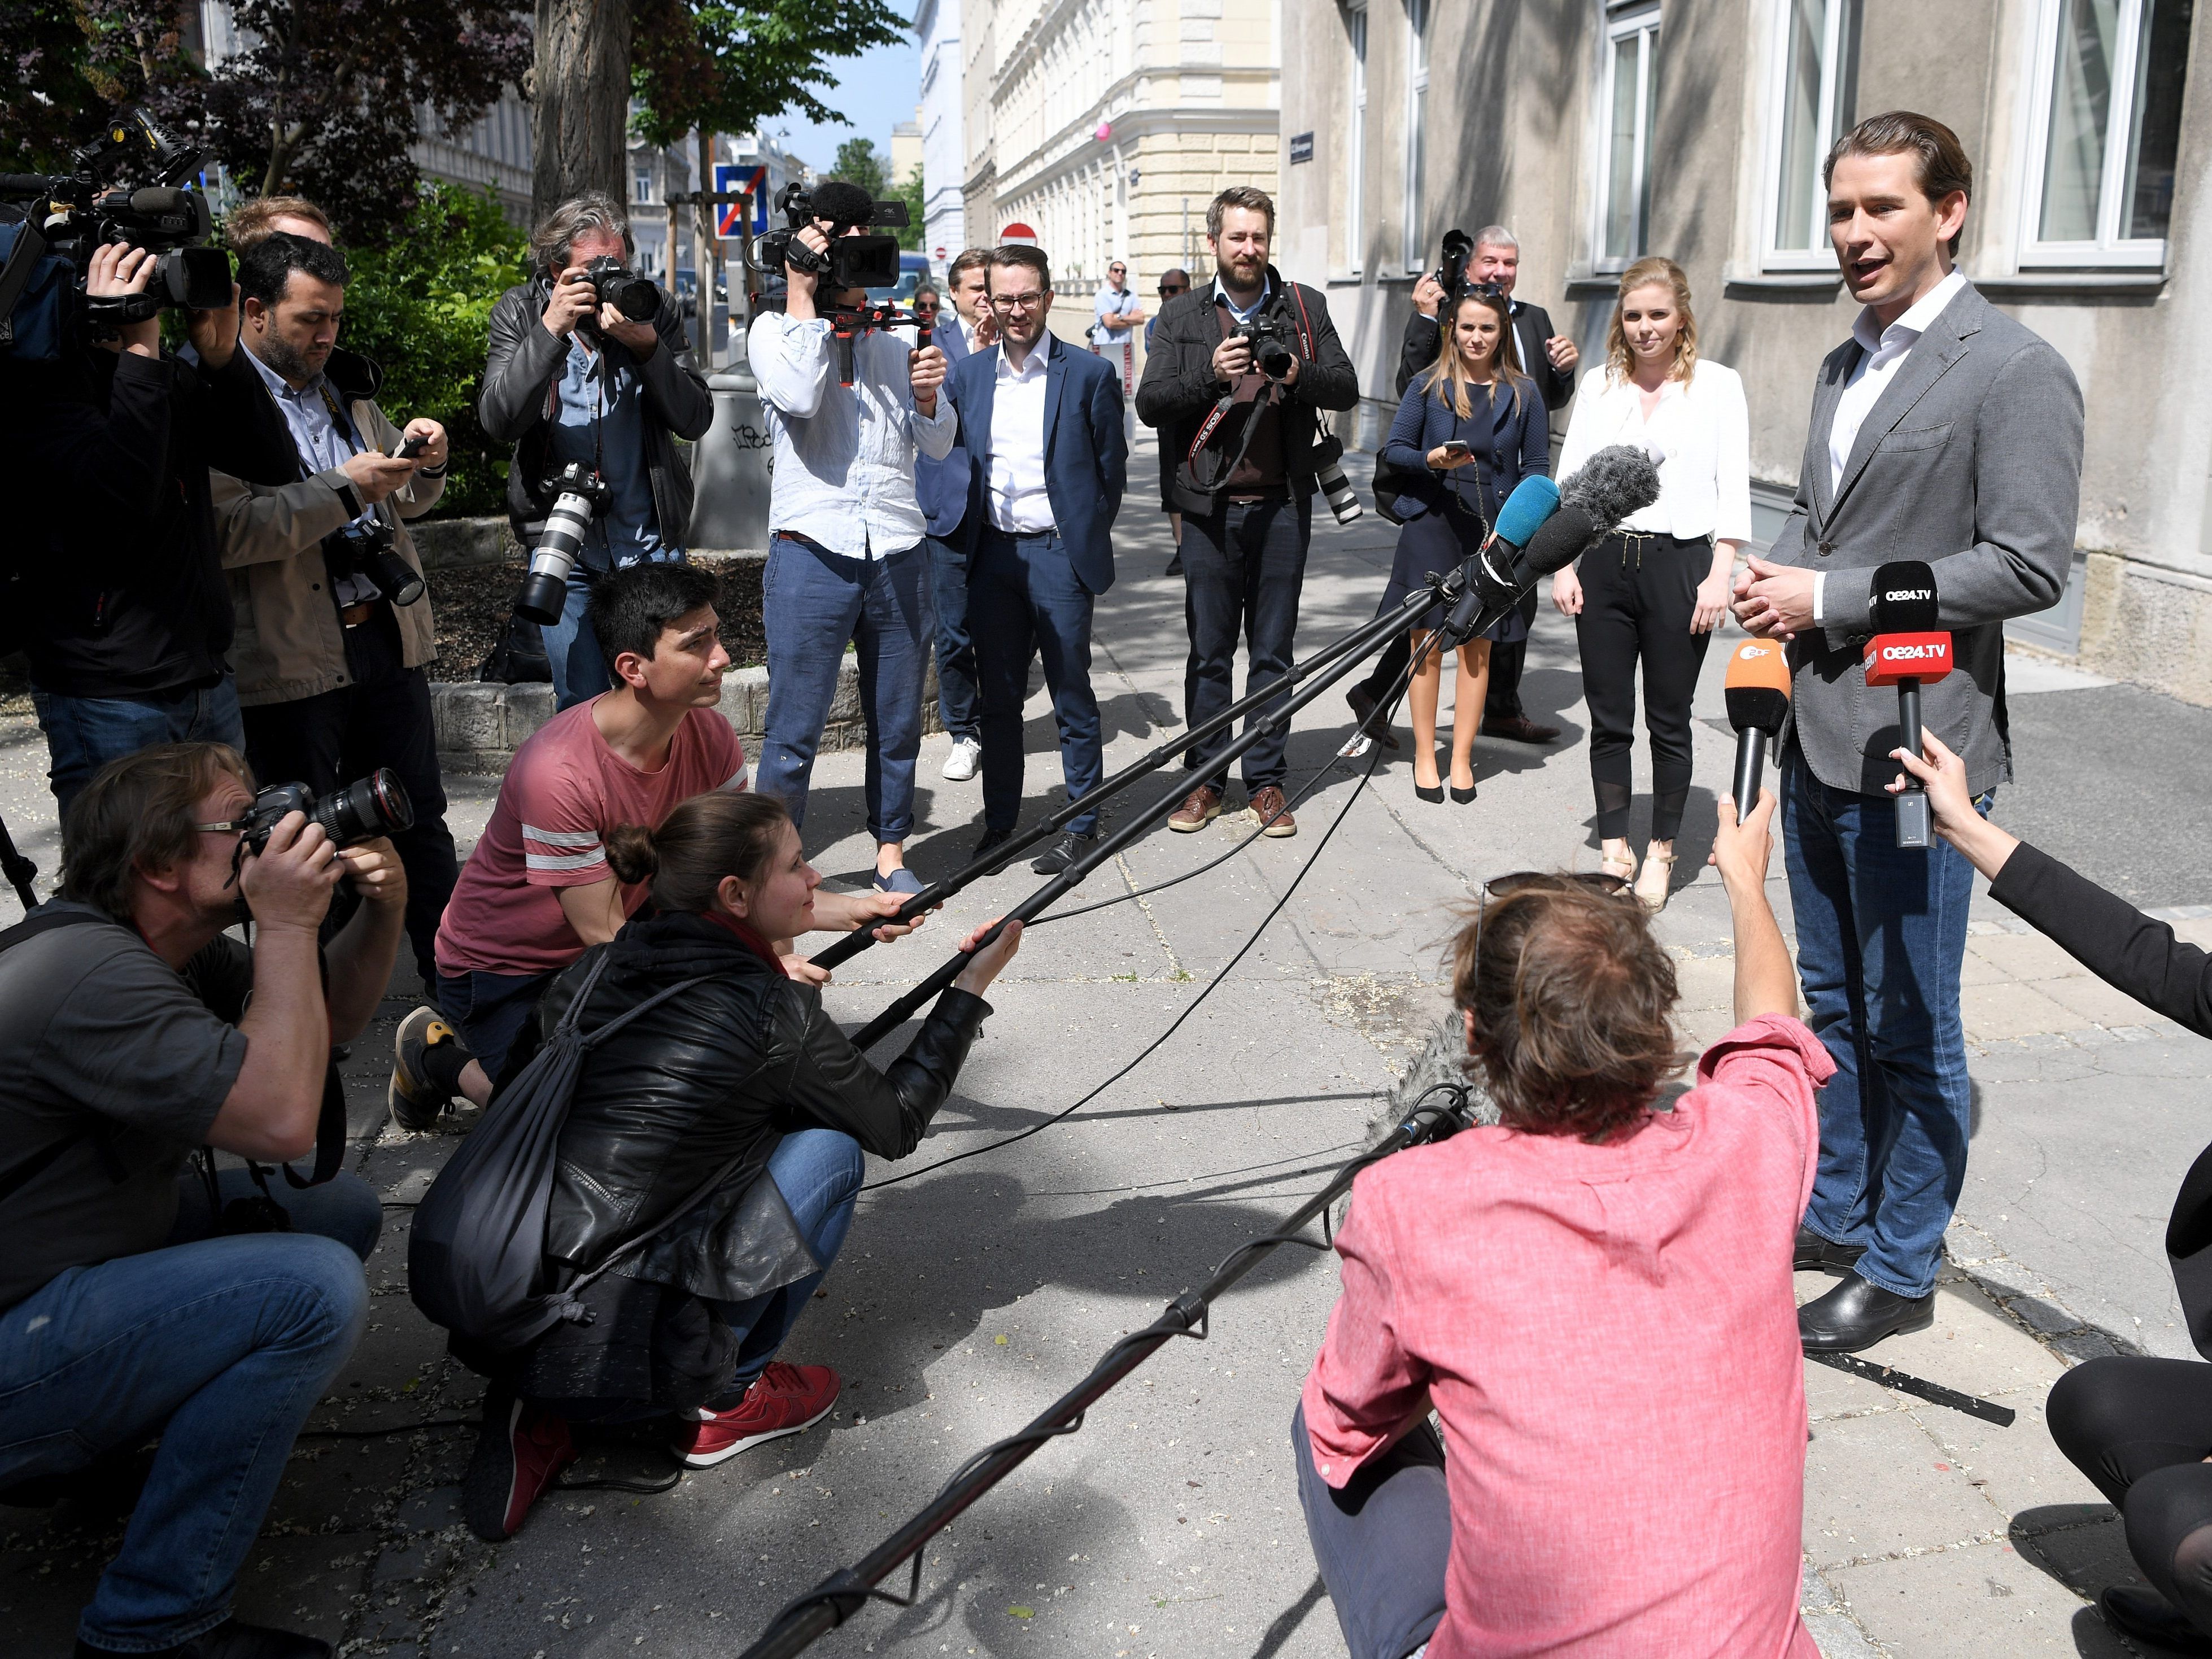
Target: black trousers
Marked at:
1639, 593
382, 718
2141, 1429
1243, 568
1506, 662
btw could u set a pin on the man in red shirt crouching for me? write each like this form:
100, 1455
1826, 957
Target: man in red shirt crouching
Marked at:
1594, 1298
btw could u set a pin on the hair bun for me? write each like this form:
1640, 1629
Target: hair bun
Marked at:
631, 853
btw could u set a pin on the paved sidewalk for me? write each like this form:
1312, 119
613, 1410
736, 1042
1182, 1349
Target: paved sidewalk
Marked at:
969, 1298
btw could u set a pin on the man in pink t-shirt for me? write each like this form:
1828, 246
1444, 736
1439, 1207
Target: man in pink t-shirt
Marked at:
1594, 1297
537, 892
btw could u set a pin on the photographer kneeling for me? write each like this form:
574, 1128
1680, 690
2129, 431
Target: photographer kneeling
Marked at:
137, 1033
743, 1071
1595, 1297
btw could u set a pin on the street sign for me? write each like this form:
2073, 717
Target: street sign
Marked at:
732, 179
941, 253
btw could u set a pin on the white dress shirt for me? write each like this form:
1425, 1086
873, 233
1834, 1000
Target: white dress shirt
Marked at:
1883, 353
1700, 430
843, 459
1019, 505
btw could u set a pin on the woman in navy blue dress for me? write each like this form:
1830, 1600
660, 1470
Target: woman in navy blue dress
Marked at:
1474, 422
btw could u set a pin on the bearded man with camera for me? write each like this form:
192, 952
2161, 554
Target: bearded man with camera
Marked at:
333, 630
139, 1297
1237, 376
583, 370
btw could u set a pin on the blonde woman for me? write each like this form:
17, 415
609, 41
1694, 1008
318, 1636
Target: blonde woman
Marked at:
1468, 429
1653, 591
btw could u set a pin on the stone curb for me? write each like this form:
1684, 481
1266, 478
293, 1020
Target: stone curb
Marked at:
479, 726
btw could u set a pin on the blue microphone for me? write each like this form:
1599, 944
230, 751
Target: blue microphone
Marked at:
1533, 501
1494, 583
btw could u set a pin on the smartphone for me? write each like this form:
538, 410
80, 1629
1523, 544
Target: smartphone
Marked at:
1455, 448
410, 447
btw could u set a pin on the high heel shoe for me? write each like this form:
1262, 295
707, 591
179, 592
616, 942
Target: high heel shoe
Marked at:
1650, 892
1429, 791
1623, 869
1461, 797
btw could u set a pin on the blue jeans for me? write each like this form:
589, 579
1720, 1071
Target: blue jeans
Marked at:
1382, 1543
956, 651
1243, 568
221, 1345
580, 669
490, 1010
1882, 938
818, 1171
1025, 601
812, 602
84, 733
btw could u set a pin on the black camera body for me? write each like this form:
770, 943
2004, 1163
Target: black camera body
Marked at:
1275, 346
617, 285
367, 548
361, 810
852, 261
155, 205
579, 495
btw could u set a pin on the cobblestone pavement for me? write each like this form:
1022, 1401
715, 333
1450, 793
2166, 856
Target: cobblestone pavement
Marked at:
968, 1299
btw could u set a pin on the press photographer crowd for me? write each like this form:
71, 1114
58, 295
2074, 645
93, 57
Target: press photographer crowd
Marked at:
224, 611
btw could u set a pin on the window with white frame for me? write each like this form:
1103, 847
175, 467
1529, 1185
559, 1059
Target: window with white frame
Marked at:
2107, 125
1815, 54
1627, 92
1417, 106
1355, 148
644, 185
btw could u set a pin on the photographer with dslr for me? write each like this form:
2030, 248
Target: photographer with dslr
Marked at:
334, 629
847, 559
138, 1299
1237, 376
573, 378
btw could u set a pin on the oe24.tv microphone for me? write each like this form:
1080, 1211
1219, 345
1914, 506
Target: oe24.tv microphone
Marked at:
1907, 650
1758, 693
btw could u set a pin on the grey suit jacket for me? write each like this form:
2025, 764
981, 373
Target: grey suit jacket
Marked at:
1970, 461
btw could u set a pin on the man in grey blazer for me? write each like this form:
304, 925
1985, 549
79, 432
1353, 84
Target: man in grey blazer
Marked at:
1943, 432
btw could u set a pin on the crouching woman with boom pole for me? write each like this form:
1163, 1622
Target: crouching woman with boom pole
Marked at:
1595, 1297
742, 1071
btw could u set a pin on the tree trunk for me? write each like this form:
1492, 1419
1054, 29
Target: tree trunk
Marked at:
579, 100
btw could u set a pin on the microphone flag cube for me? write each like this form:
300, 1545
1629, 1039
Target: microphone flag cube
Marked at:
1758, 686
1891, 657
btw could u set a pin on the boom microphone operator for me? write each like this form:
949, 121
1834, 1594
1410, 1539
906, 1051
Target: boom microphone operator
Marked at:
1905, 650
1758, 692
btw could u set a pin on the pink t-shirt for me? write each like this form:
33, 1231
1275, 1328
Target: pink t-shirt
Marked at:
1609, 1336
563, 791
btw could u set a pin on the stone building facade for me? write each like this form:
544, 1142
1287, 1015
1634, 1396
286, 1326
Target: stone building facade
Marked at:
1602, 130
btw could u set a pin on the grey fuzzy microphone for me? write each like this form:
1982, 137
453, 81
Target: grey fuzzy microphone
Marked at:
842, 203
1617, 483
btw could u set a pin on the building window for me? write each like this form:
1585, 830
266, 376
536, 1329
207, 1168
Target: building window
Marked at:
644, 185
1417, 104
2108, 123
1627, 93
1355, 235
1815, 55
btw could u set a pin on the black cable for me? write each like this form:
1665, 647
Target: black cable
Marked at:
395, 1428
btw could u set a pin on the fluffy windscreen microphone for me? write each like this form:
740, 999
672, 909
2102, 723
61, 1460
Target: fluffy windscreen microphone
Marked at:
843, 204
1617, 483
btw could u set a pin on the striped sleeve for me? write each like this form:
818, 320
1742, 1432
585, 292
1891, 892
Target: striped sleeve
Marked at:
555, 857
558, 811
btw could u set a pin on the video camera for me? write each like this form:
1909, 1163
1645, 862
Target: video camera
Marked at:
153, 205
852, 261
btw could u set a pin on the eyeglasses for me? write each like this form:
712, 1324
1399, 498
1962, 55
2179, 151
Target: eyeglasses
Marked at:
1117, 270
1522, 881
1481, 291
1169, 290
228, 826
1016, 302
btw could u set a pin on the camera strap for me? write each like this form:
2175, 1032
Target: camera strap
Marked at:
1270, 390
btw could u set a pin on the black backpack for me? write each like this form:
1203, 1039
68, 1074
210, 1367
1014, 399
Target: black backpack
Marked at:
476, 1257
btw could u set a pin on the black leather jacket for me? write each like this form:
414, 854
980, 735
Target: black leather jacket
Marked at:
714, 1077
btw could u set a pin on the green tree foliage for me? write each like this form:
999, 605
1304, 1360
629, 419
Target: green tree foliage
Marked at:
728, 68
857, 163
910, 192
421, 307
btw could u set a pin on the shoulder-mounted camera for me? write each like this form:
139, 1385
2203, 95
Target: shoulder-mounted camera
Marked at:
863, 261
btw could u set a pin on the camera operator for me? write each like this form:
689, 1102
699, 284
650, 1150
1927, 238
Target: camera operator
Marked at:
125, 613
132, 1305
1246, 490
331, 667
570, 379
1633, 1260
847, 561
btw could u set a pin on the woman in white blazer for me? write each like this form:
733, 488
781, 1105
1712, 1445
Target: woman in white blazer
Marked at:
1654, 590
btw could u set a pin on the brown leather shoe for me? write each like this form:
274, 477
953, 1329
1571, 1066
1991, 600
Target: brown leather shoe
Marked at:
1521, 729
1200, 808
1272, 812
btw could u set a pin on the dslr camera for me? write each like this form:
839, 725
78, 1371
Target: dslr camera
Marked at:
366, 550
1451, 268
616, 284
852, 261
135, 184
361, 810
579, 495
1273, 345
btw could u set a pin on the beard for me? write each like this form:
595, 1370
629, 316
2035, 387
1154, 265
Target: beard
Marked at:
287, 360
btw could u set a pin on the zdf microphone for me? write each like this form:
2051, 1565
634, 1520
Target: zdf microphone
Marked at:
1906, 650
1758, 692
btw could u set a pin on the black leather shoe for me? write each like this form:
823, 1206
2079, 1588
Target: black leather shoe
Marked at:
1363, 709
1856, 1315
2149, 1617
229, 1640
1819, 1254
1519, 728
993, 839
1071, 847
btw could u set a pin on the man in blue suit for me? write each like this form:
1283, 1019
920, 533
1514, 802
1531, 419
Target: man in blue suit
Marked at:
1048, 461
941, 489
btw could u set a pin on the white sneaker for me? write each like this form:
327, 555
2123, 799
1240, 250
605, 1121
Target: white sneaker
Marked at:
967, 755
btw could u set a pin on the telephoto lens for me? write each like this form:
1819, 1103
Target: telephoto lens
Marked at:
1328, 473
364, 809
579, 495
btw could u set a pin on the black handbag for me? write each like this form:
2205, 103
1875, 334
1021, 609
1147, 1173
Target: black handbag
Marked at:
519, 659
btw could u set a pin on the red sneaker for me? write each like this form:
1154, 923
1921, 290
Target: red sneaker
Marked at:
520, 1450
783, 1400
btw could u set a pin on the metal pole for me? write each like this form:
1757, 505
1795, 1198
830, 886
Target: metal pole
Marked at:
709, 249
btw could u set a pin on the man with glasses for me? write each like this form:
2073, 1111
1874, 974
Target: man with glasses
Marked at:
1114, 336
1043, 426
